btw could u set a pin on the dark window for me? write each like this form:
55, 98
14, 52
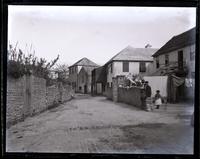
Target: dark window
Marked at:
157, 63
142, 67
166, 60
111, 84
125, 66
111, 68
79, 88
180, 59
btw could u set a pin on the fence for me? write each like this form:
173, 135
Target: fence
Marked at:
29, 95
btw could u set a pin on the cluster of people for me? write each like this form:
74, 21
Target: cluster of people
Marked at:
147, 100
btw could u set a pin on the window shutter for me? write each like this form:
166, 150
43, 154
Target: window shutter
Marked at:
125, 66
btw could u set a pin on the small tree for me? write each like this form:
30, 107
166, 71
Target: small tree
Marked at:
63, 71
20, 64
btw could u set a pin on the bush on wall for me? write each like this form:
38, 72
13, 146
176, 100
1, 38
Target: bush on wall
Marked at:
20, 64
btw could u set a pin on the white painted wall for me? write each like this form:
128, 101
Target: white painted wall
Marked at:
133, 69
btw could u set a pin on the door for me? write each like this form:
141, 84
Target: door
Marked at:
85, 89
180, 59
99, 88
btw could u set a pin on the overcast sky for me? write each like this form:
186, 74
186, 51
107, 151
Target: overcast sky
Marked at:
97, 33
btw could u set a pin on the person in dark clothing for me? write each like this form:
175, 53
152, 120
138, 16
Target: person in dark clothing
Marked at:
147, 96
147, 89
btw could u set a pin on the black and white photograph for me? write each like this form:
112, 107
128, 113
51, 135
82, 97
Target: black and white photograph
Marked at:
100, 79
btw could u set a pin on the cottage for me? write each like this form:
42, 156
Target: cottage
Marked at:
74, 72
177, 60
130, 61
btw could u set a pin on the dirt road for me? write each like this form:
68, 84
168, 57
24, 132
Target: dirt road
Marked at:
96, 125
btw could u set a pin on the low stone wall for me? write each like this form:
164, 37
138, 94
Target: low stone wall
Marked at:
130, 96
109, 93
52, 95
29, 95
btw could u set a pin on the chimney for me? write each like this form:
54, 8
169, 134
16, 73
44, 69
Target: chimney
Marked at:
148, 46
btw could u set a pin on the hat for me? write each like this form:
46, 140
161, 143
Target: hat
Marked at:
146, 82
157, 90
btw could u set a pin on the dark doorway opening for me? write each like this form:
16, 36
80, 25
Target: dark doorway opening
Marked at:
180, 60
85, 89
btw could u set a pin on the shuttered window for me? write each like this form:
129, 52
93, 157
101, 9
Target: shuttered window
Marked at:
142, 67
125, 66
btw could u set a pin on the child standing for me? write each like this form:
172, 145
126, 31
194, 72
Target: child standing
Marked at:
158, 99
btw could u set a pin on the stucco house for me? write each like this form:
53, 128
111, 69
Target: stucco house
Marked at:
177, 55
130, 61
177, 60
75, 69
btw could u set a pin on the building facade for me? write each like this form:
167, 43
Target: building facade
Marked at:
130, 61
98, 81
75, 69
85, 79
177, 58
177, 55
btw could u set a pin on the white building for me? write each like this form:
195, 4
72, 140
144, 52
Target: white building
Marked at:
130, 61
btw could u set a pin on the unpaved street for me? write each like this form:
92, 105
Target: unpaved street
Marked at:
93, 124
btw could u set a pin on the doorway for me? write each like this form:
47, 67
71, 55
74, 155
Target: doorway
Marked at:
85, 89
180, 60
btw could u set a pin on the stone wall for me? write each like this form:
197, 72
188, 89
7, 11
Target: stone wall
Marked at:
29, 95
109, 93
38, 95
15, 100
130, 96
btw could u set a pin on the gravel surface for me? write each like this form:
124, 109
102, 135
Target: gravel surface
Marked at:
96, 125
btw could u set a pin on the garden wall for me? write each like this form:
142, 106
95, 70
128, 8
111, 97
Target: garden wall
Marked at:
109, 93
130, 96
29, 95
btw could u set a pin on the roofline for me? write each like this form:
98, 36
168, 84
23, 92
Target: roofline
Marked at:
165, 52
84, 65
128, 61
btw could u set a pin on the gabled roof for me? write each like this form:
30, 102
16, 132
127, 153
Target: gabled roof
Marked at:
88, 70
177, 42
134, 54
85, 62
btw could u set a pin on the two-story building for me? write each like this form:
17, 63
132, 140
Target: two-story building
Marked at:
85, 79
74, 71
177, 58
130, 61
